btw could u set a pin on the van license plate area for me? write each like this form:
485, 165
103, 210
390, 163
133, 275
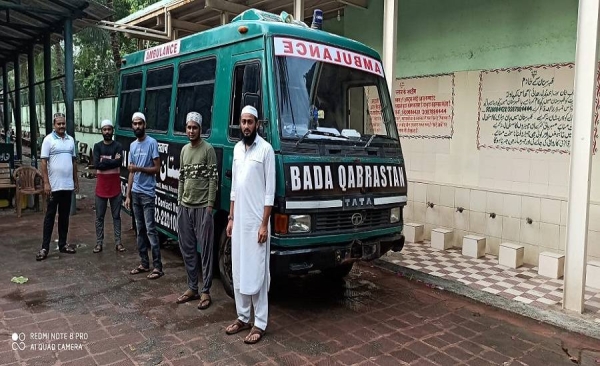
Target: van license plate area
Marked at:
370, 251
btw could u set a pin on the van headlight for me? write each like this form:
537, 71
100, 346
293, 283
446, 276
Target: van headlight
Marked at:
299, 224
395, 215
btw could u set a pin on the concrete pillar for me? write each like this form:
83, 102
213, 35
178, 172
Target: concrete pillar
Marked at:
224, 18
299, 10
47, 84
33, 125
390, 33
70, 91
5, 105
17, 110
581, 154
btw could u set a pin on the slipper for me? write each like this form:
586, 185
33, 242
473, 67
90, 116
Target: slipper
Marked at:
97, 248
156, 274
41, 255
120, 248
139, 269
187, 296
205, 302
254, 331
239, 326
67, 249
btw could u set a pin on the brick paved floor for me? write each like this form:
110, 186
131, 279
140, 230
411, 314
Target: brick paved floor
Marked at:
372, 318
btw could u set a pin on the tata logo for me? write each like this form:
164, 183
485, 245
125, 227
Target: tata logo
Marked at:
358, 202
357, 219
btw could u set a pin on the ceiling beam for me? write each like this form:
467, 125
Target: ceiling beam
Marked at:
362, 4
182, 24
5, 5
225, 6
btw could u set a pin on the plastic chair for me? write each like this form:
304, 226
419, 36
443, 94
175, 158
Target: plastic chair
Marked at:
29, 182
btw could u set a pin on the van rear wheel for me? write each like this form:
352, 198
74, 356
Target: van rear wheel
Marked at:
225, 263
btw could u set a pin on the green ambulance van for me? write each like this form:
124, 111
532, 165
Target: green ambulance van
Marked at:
325, 108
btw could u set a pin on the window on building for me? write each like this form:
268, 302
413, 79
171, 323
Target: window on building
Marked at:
246, 91
195, 92
131, 91
159, 85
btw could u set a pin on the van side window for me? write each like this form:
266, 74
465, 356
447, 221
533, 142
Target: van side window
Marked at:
131, 92
195, 92
246, 91
159, 83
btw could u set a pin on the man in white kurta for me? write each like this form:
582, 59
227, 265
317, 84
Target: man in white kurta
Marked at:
252, 195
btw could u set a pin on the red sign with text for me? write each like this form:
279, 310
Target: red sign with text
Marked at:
324, 53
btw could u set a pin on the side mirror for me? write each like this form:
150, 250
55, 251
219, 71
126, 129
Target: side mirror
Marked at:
262, 129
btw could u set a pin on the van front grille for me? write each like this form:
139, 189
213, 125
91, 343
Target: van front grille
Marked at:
342, 220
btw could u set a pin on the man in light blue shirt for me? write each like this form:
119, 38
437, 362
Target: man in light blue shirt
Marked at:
144, 164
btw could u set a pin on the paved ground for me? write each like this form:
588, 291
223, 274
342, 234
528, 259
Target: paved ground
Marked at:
372, 318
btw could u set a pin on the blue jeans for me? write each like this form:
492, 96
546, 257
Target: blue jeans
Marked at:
147, 236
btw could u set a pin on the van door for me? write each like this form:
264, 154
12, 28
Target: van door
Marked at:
247, 88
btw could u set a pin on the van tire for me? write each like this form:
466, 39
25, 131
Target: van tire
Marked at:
225, 263
338, 272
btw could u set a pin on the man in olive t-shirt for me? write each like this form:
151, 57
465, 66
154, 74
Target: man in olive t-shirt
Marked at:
195, 197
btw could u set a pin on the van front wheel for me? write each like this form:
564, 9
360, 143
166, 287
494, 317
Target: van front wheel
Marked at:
225, 263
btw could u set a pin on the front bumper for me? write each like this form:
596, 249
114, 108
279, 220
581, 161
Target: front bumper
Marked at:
298, 261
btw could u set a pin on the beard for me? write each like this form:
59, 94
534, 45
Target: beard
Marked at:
107, 136
140, 132
249, 140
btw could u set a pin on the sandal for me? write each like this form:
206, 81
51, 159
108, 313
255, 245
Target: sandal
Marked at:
97, 248
237, 326
189, 295
67, 249
41, 255
205, 301
253, 332
139, 269
156, 274
120, 248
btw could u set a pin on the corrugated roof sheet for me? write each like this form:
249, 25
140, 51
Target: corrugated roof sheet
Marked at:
26, 23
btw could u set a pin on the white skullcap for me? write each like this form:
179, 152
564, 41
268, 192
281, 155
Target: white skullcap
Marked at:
250, 110
194, 117
105, 123
138, 115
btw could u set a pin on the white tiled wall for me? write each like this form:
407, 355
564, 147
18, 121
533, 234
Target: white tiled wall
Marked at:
547, 231
513, 185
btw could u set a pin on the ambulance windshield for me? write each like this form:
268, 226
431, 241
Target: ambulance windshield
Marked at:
326, 99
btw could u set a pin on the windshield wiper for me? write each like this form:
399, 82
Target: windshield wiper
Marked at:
369, 142
320, 133
382, 136
303, 137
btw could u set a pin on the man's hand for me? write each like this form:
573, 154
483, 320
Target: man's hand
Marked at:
127, 203
117, 156
47, 189
133, 168
76, 186
229, 228
262, 234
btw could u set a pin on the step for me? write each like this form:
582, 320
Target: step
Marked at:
413, 232
473, 246
551, 265
511, 255
592, 277
441, 238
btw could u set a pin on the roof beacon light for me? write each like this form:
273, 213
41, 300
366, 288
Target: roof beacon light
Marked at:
287, 18
317, 22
